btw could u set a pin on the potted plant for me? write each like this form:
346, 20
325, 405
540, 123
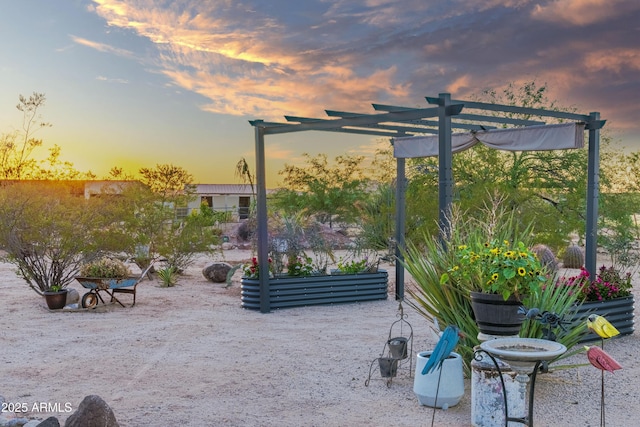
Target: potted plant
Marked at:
499, 275
442, 293
55, 297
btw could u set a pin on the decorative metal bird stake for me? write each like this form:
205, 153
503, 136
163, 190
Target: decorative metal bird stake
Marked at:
598, 357
447, 342
601, 326
547, 319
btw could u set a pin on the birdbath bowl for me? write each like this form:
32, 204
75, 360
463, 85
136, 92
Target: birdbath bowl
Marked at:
522, 354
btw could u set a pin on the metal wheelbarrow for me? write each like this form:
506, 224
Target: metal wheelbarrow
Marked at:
98, 285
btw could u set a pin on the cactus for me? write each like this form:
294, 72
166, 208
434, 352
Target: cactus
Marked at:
573, 257
546, 257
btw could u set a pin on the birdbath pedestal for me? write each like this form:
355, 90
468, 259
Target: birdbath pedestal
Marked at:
524, 356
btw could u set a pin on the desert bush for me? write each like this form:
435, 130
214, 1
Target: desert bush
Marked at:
48, 232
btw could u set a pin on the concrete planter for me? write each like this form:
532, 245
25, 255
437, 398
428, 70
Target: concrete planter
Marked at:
618, 311
299, 291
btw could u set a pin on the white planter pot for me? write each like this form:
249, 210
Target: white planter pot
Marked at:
451, 387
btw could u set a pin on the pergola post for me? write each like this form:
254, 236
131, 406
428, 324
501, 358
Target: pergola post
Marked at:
261, 213
593, 184
445, 159
401, 188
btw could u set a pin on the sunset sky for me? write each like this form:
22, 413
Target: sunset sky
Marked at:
138, 83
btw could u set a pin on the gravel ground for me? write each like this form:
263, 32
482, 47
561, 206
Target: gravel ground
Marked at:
191, 356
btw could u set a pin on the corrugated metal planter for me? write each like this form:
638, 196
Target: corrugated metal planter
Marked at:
299, 291
618, 311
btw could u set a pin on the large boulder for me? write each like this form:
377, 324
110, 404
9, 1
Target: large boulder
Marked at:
92, 412
49, 422
217, 272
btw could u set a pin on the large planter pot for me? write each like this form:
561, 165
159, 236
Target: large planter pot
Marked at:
618, 311
314, 290
451, 388
495, 316
56, 300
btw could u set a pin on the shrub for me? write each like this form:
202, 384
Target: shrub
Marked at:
608, 284
105, 267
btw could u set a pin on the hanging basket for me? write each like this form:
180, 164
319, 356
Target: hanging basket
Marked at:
495, 316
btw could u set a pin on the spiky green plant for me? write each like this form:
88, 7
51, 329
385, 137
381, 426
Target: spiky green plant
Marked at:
428, 260
168, 276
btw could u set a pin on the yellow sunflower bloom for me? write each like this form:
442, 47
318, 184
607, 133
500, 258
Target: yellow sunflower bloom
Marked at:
522, 271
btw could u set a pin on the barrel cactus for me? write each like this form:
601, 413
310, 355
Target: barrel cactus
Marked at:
573, 257
547, 258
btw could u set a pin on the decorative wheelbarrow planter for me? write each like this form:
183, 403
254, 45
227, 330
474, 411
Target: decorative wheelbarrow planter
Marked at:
97, 285
288, 291
618, 311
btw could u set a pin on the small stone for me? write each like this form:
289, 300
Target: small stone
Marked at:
217, 272
92, 412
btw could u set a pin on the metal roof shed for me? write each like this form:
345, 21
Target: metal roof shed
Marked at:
400, 122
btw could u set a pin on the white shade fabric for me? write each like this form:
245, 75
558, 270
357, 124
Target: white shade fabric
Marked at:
531, 138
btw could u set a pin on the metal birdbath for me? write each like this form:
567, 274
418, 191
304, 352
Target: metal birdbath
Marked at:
524, 356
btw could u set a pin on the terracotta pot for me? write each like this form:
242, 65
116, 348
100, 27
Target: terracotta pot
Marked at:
494, 315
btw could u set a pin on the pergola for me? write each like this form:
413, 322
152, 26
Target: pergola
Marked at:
439, 120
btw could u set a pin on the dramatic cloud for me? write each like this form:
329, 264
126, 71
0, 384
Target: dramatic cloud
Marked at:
266, 60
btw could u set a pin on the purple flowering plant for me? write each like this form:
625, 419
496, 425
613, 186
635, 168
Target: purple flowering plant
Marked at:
608, 284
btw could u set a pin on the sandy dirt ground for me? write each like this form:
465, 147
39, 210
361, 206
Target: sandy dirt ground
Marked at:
192, 356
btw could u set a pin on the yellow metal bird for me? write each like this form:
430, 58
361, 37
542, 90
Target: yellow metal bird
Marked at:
601, 326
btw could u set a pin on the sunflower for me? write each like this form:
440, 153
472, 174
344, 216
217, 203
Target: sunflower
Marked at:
522, 271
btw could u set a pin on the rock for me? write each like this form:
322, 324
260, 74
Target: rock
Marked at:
92, 412
217, 272
49, 422
72, 296
15, 422
36, 423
